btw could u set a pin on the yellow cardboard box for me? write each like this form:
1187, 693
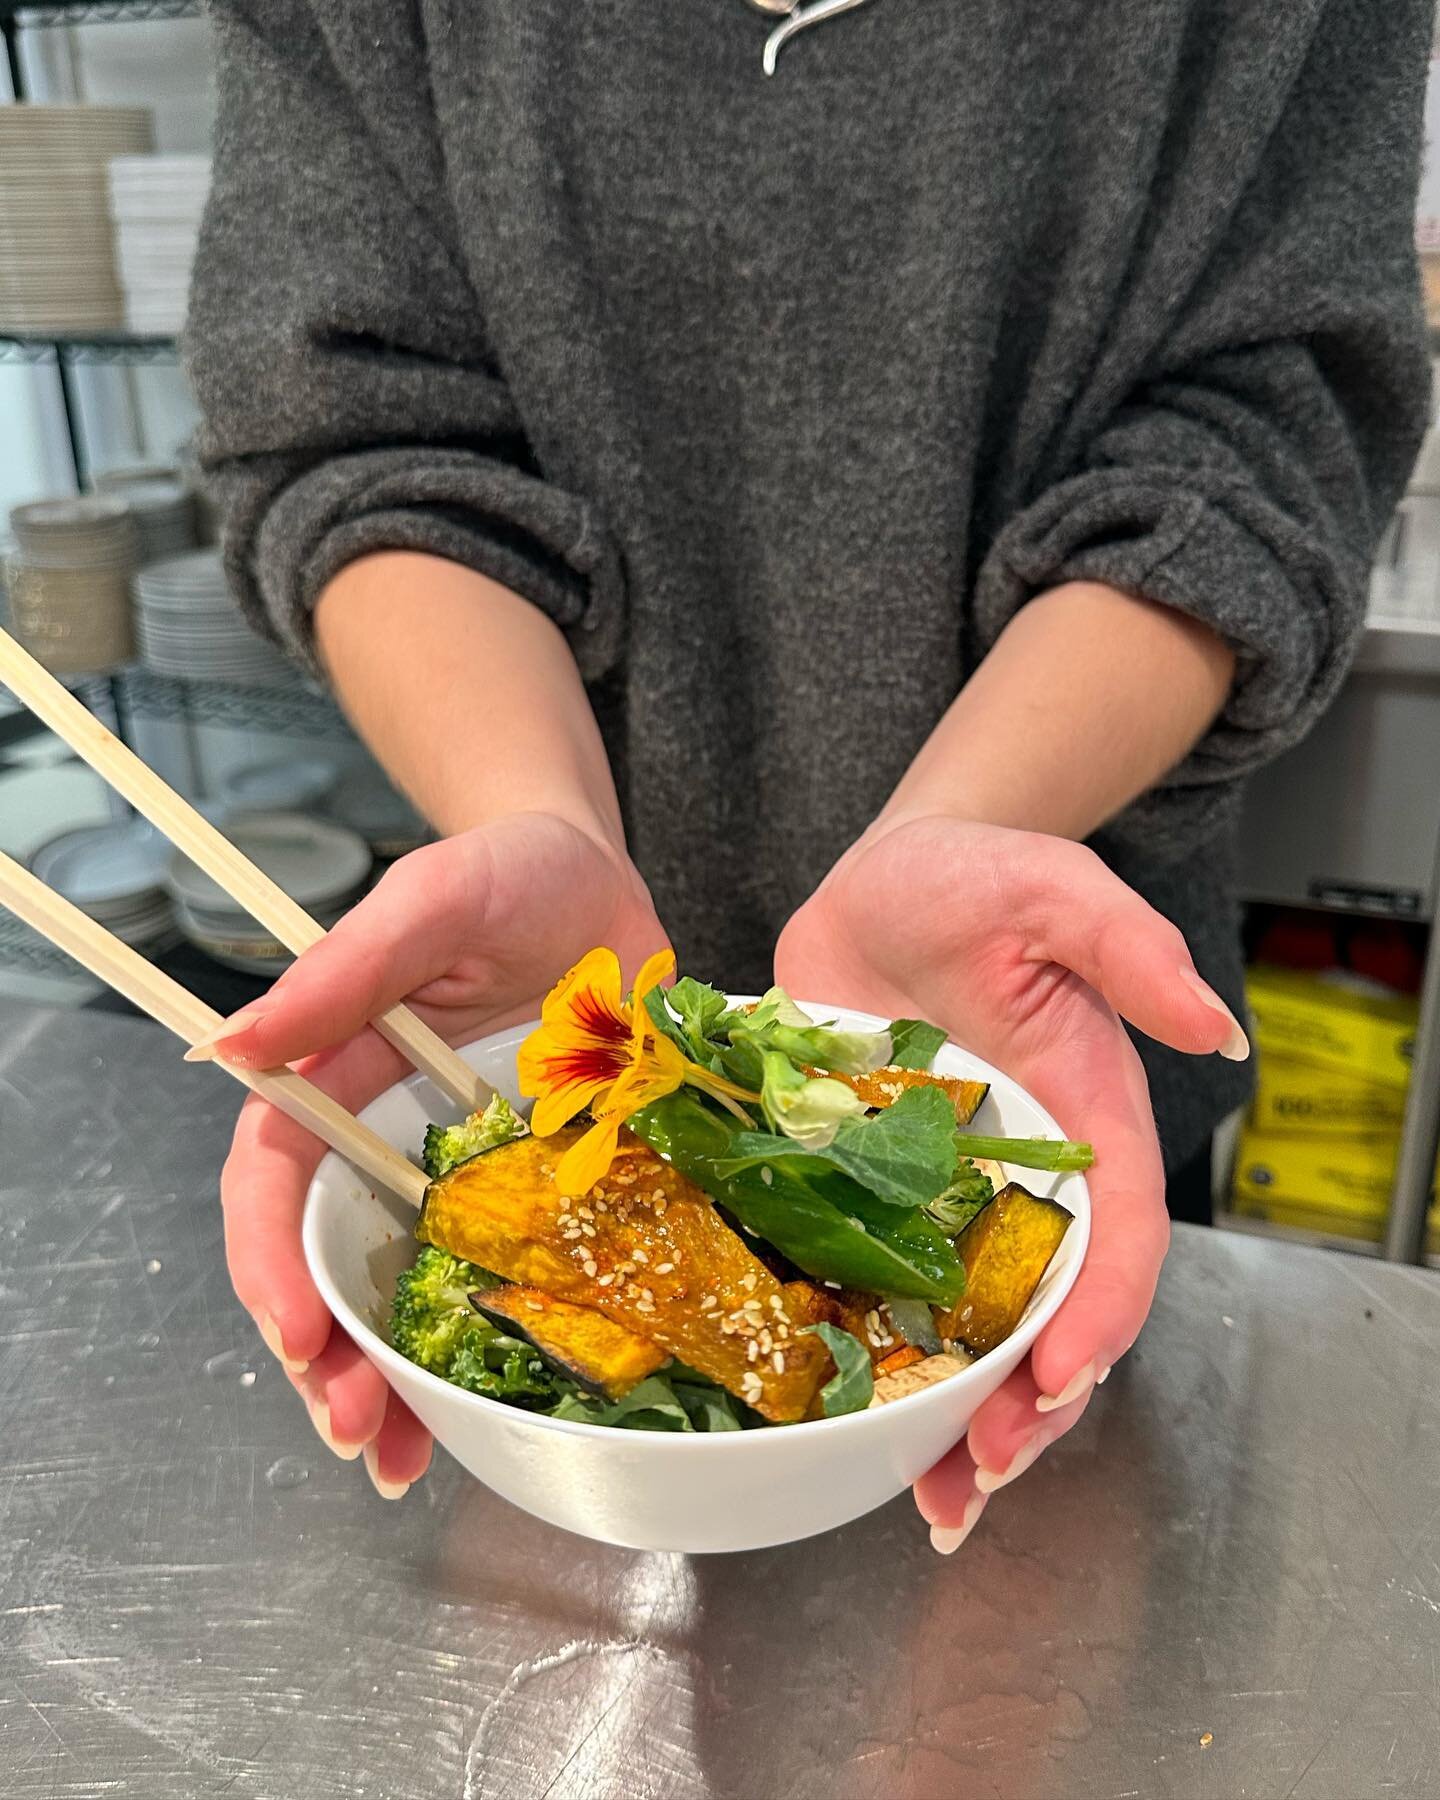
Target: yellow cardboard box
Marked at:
1304, 1019
1295, 1096
1335, 1184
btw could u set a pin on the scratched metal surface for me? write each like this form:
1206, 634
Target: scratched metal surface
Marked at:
1240, 1540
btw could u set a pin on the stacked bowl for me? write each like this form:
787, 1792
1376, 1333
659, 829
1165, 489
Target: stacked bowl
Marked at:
69, 582
164, 512
323, 867
57, 264
156, 203
188, 626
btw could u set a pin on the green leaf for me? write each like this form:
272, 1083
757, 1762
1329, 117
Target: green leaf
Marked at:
808, 1110
709, 1407
850, 1390
1056, 1155
651, 1405
967, 1196
904, 1155
825, 1223
915, 1323
699, 1009
916, 1044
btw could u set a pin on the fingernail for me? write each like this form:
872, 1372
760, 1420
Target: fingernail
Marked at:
947, 1539
387, 1490
319, 1411
1103, 1376
1079, 1383
270, 1331
1236, 1047
247, 1016
987, 1481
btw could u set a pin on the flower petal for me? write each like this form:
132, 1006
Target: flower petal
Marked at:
588, 1160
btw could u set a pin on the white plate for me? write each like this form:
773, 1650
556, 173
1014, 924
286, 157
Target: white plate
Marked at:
105, 863
654, 1490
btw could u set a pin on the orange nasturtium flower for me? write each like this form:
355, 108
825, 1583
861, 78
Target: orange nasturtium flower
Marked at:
592, 1048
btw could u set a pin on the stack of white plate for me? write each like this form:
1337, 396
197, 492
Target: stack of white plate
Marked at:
188, 625
57, 265
322, 866
156, 203
164, 513
116, 874
69, 582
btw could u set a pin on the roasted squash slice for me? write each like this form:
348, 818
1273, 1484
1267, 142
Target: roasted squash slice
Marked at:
884, 1086
647, 1249
1006, 1249
603, 1357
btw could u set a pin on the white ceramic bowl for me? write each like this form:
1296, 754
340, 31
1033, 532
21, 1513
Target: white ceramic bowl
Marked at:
658, 1490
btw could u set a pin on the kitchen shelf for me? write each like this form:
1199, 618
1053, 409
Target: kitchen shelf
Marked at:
1314, 1240
127, 347
95, 12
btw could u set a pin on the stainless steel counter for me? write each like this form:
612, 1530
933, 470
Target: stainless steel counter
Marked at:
1225, 1583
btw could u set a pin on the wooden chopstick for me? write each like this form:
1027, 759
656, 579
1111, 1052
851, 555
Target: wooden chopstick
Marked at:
165, 1000
212, 851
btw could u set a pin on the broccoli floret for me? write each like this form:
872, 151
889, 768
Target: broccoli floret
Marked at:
968, 1194
431, 1314
447, 1145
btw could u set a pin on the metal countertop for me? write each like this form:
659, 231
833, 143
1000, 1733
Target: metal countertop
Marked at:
1223, 1584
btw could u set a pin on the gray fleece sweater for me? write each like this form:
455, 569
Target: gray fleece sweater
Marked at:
783, 395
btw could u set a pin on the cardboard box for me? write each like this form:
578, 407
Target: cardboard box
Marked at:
1301, 1018
1293, 1096
1336, 1184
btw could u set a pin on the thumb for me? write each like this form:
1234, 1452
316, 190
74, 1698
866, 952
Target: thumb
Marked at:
1085, 918
413, 927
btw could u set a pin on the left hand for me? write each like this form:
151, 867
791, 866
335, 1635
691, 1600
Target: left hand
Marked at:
1029, 952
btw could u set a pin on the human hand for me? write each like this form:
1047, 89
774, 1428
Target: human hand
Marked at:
473, 932
1028, 951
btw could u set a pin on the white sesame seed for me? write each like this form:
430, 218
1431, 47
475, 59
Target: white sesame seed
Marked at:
605, 1280
645, 1294
658, 1196
534, 1306
749, 1281
777, 1303
752, 1388
767, 1175
752, 1351
589, 1230
766, 1342
872, 1320
639, 1255
664, 1268
584, 1212
601, 1206
708, 1303
645, 1306
777, 1362
590, 1266
571, 1234
833, 1284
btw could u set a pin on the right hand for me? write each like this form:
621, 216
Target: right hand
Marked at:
473, 932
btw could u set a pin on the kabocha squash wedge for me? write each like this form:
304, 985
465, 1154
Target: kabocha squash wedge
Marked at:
1006, 1250
647, 1249
884, 1086
603, 1357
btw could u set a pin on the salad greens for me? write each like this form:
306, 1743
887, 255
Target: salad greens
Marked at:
769, 1112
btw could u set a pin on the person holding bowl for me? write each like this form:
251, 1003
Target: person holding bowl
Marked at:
865, 521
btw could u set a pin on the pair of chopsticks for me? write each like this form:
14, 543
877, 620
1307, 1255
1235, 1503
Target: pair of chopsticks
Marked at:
154, 992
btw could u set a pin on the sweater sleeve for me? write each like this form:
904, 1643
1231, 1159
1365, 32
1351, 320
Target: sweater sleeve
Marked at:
350, 400
1244, 468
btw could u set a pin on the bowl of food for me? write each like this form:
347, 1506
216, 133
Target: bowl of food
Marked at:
749, 1275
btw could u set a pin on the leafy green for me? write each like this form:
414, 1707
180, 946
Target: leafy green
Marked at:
827, 1224
904, 1155
851, 1389
1056, 1155
676, 1399
807, 1110
915, 1323
699, 1008
916, 1043
448, 1145
778, 1024
490, 1362
967, 1195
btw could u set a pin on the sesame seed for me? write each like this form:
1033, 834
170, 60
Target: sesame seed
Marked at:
534, 1306
601, 1206
546, 1169
660, 1206
658, 1196
639, 1255
752, 1351
833, 1284
782, 1332
645, 1294
708, 1303
749, 1281
729, 1327
766, 1342
589, 1230
584, 1212
590, 1266
966, 1314
645, 1306
777, 1303
572, 1233
664, 1268
767, 1175
605, 1280
752, 1388
777, 1362
872, 1320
